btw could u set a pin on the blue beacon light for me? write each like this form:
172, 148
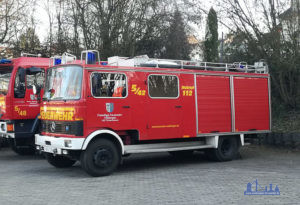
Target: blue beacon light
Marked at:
91, 58
57, 61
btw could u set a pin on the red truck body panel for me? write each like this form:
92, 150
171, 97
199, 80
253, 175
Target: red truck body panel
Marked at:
206, 103
252, 111
214, 108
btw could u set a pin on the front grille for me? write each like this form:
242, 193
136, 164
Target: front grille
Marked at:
61, 127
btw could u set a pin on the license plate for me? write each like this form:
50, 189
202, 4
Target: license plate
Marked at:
48, 149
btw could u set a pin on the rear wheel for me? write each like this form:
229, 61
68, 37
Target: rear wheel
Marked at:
227, 149
59, 161
100, 158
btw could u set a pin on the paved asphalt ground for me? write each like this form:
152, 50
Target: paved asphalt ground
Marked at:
153, 179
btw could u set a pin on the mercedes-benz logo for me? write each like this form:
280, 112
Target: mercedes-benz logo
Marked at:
52, 127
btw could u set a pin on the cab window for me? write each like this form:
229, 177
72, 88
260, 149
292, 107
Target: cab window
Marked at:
36, 79
19, 88
163, 86
109, 85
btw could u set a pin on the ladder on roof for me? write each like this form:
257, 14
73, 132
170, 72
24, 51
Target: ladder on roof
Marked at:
144, 61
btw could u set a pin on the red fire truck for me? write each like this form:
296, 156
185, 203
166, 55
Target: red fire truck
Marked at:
19, 106
98, 114
21, 79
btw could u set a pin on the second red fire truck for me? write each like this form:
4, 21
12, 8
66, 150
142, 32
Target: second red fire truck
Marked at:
98, 114
19, 106
19, 103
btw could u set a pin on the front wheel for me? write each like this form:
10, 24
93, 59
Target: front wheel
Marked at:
227, 150
60, 161
100, 158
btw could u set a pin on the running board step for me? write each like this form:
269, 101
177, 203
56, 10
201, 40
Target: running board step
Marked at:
165, 147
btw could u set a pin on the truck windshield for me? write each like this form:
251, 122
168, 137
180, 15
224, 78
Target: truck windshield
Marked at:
5, 74
63, 83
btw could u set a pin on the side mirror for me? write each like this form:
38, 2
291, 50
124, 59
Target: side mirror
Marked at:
22, 75
36, 89
20, 89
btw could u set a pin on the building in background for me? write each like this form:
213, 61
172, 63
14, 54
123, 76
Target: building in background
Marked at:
197, 48
290, 22
5, 52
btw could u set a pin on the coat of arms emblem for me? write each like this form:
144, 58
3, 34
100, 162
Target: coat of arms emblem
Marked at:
109, 107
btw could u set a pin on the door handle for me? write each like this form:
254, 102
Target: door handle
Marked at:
126, 106
178, 106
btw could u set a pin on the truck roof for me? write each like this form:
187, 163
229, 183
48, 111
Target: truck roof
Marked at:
27, 61
172, 70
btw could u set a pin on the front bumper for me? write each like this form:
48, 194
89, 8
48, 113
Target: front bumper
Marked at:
3, 131
57, 145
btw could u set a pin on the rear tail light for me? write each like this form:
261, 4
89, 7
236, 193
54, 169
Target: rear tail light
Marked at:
10, 127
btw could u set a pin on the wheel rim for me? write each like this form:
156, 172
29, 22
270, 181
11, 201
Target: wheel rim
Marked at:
103, 158
226, 147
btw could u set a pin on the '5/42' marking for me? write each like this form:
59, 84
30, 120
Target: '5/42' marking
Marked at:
137, 90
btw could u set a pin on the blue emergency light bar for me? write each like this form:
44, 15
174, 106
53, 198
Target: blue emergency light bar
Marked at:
57, 61
5, 61
91, 58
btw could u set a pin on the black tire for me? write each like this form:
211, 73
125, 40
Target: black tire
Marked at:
59, 161
3, 142
182, 154
30, 150
100, 158
24, 151
227, 150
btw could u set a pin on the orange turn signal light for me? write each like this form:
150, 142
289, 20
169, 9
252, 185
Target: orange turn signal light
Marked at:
10, 127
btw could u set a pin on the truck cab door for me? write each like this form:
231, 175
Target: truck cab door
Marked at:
164, 107
19, 105
108, 105
26, 105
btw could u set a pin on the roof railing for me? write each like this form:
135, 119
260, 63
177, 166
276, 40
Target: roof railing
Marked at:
30, 55
144, 61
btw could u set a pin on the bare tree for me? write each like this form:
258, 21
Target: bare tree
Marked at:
11, 18
271, 30
119, 27
47, 7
